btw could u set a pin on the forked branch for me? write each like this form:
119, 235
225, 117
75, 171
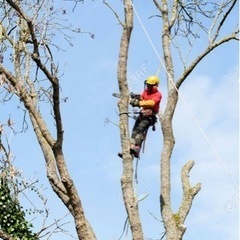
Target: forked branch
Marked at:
189, 192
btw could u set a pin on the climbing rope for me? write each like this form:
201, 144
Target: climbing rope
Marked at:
184, 102
150, 41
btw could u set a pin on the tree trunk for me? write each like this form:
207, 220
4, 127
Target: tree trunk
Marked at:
173, 222
58, 175
129, 196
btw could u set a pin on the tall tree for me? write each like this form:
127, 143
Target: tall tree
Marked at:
32, 75
180, 20
185, 19
129, 196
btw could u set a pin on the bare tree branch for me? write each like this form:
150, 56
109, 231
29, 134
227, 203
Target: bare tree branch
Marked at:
188, 192
129, 197
224, 17
194, 63
114, 12
174, 13
158, 5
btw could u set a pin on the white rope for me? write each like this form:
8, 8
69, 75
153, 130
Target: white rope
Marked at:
149, 39
184, 102
158, 70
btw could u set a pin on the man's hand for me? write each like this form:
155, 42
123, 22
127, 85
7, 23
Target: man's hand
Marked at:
134, 102
135, 96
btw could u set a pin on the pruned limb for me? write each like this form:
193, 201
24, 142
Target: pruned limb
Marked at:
174, 222
189, 192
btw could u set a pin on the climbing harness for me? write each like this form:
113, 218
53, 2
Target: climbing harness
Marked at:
147, 113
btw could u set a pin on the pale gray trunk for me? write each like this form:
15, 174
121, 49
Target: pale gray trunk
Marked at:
173, 222
129, 197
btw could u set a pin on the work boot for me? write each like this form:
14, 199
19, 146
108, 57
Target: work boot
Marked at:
132, 151
135, 150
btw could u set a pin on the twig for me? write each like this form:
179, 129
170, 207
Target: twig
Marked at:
114, 12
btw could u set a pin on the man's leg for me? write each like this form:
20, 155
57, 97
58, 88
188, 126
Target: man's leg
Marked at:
135, 129
134, 133
139, 130
139, 135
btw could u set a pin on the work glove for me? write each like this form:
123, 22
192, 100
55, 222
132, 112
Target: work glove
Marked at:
134, 102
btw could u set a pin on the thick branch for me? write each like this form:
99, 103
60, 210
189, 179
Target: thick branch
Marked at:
188, 192
159, 7
211, 47
130, 199
57, 113
52, 172
24, 96
174, 13
82, 226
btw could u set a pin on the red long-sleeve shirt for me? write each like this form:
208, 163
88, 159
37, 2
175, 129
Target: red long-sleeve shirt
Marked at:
151, 100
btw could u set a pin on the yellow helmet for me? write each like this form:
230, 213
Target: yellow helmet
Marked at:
153, 80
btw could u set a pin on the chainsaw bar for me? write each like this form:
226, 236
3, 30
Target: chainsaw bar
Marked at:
117, 95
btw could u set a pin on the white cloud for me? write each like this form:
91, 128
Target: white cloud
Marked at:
214, 148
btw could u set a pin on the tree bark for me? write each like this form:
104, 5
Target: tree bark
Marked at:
173, 223
129, 196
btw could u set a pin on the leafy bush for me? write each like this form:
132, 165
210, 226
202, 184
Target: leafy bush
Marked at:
12, 217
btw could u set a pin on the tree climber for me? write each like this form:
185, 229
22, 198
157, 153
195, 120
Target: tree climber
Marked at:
149, 102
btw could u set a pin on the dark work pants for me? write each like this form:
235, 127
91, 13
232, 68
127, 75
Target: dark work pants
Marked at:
140, 129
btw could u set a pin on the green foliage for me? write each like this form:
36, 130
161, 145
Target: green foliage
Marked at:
12, 217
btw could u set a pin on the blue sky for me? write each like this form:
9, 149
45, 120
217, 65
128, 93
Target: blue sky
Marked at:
209, 99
